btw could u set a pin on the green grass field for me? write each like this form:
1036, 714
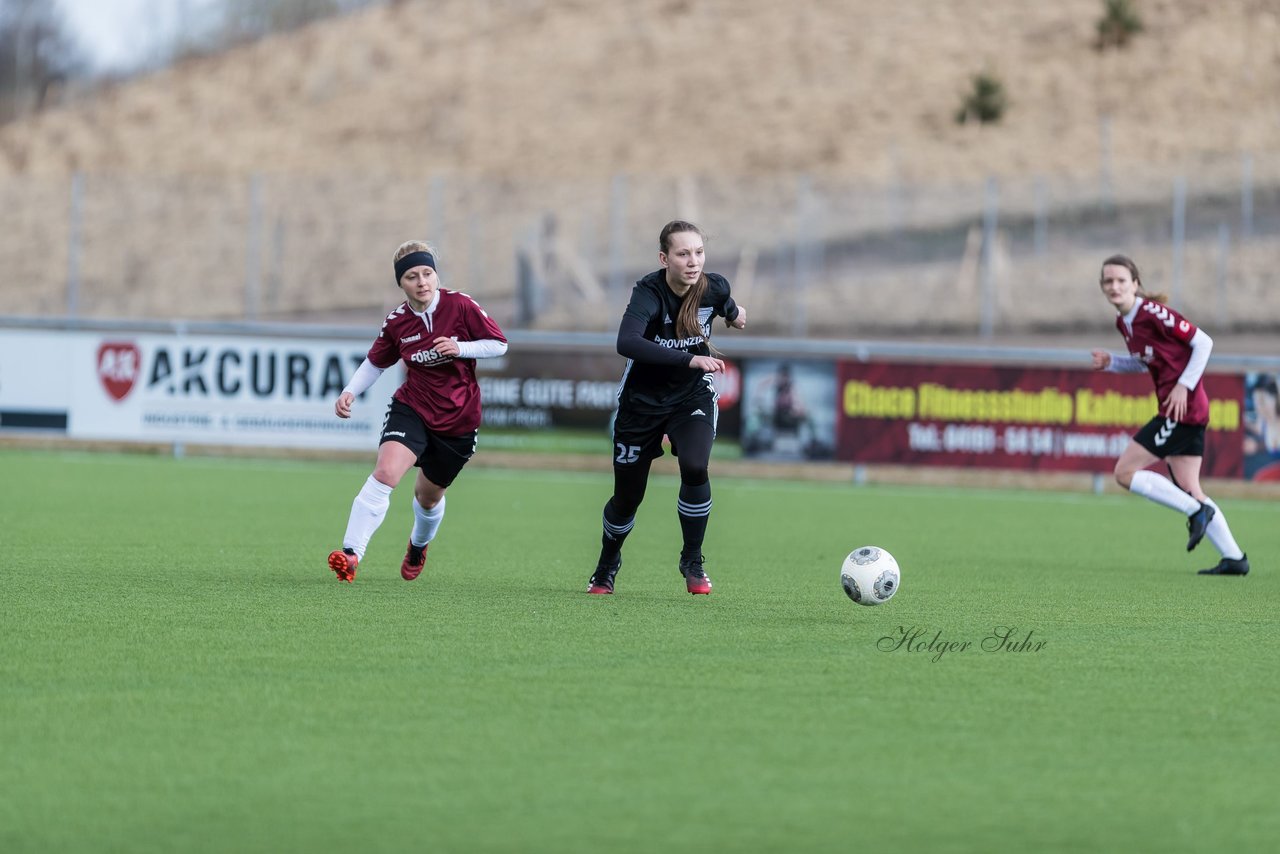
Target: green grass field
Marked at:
182, 672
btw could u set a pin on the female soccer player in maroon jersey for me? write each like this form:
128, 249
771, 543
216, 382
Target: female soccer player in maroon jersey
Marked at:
1168, 346
434, 416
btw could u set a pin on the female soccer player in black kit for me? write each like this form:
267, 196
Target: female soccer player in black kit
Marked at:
666, 390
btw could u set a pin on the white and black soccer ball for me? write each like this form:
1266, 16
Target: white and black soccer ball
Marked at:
870, 575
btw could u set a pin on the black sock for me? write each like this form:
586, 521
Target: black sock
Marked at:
694, 507
616, 528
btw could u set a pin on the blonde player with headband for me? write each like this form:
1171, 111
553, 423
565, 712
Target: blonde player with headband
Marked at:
434, 417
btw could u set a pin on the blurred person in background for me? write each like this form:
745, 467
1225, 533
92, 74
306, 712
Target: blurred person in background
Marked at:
1163, 343
1262, 425
1262, 428
779, 422
434, 417
667, 390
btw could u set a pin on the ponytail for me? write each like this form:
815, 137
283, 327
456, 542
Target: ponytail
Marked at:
687, 325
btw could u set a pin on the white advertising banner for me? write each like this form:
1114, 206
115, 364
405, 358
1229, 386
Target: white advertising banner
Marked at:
204, 389
33, 373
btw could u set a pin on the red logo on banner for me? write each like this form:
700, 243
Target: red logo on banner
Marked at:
118, 366
728, 385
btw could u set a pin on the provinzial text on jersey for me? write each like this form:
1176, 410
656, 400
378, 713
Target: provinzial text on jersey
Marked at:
679, 343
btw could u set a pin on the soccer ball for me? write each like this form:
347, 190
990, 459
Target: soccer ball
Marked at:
870, 575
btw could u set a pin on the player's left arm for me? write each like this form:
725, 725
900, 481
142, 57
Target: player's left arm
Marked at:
1201, 346
486, 348
735, 316
485, 337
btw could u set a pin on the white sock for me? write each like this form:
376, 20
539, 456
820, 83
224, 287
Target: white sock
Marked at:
426, 522
1220, 534
1161, 490
367, 513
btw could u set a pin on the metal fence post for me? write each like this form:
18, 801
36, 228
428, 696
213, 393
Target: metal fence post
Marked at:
1040, 233
75, 231
1040, 229
1108, 195
817, 249
253, 255
436, 210
1179, 237
476, 246
1246, 196
1224, 254
990, 222
617, 236
275, 278
897, 199
802, 255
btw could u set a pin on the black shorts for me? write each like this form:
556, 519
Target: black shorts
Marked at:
638, 435
440, 457
1165, 437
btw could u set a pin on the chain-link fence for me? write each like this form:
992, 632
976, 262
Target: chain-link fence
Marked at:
810, 255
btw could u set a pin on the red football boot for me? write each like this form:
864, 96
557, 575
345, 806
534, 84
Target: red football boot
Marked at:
601, 582
415, 558
343, 563
695, 578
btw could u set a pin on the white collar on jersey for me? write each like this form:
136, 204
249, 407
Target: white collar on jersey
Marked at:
431, 306
1133, 312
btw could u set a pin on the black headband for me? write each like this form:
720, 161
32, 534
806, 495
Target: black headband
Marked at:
414, 259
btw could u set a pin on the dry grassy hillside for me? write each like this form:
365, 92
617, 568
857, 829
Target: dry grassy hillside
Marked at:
273, 181
862, 88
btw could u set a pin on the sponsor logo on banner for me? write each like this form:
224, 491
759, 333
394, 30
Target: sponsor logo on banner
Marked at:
226, 371
222, 389
1061, 419
119, 363
728, 385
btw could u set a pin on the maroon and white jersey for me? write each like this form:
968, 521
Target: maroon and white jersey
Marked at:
441, 389
1160, 339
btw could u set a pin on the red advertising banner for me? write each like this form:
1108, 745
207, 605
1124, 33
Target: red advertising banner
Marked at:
1052, 419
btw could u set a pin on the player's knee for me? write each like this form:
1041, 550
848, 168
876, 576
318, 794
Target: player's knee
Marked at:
626, 498
694, 475
1124, 475
625, 506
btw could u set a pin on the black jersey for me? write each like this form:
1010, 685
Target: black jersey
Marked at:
658, 375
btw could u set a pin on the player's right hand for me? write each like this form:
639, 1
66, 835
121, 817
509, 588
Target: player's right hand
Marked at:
342, 408
1101, 360
706, 364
